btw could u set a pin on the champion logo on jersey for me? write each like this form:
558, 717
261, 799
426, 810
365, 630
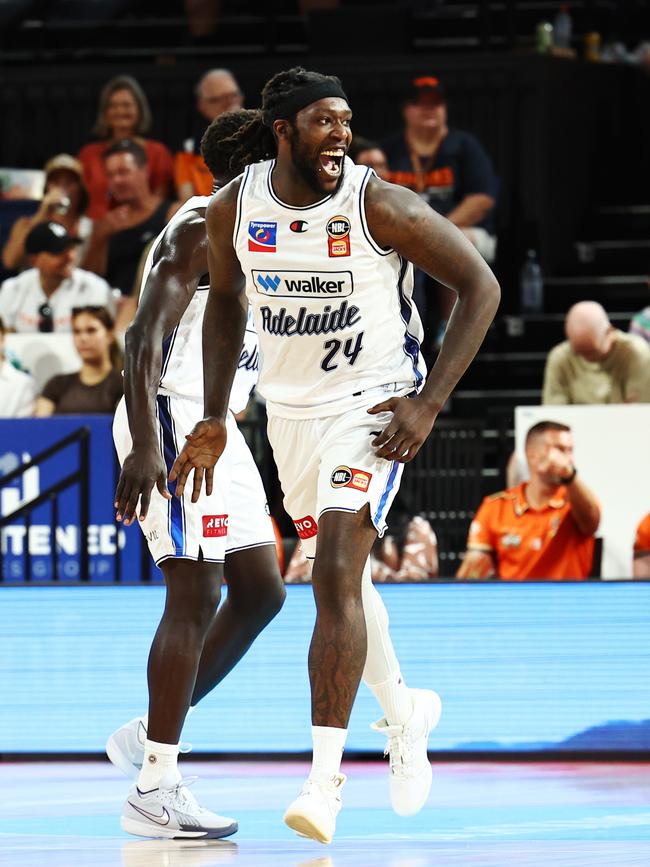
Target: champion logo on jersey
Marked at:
262, 237
299, 226
338, 236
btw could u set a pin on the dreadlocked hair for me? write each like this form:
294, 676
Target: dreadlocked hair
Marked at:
220, 141
255, 140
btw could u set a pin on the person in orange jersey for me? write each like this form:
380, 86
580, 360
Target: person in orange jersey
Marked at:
543, 528
641, 562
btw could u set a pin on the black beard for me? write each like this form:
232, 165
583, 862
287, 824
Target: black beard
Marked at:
305, 168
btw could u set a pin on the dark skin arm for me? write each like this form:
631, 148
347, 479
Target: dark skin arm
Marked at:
224, 324
180, 261
399, 219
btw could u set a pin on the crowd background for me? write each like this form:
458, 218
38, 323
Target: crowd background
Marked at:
547, 137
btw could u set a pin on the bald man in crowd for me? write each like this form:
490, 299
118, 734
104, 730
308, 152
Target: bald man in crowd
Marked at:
597, 363
217, 91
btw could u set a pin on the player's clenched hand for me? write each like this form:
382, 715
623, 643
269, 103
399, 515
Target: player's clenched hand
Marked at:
410, 425
204, 447
143, 468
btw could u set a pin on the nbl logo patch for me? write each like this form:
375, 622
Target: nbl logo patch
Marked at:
348, 477
215, 526
262, 237
338, 236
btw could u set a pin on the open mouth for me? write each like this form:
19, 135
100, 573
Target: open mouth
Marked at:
332, 161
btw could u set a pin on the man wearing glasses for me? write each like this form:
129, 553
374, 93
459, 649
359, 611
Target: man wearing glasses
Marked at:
42, 297
217, 91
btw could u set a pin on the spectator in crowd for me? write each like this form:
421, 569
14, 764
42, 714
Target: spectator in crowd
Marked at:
597, 363
97, 387
17, 389
42, 298
64, 201
540, 529
216, 92
120, 237
364, 152
123, 113
641, 562
640, 324
448, 167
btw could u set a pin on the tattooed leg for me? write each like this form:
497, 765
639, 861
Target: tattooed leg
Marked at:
337, 654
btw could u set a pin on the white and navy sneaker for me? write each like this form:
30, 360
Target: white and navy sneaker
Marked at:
125, 747
172, 813
410, 769
313, 813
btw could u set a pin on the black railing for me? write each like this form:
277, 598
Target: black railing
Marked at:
80, 477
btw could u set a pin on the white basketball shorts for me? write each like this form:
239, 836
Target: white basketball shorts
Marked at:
328, 464
234, 517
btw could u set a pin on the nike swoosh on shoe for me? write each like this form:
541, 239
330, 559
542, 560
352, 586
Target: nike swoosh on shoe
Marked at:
157, 819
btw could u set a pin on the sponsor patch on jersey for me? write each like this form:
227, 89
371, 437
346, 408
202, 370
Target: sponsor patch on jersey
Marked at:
348, 477
306, 527
214, 525
299, 226
262, 237
338, 236
303, 284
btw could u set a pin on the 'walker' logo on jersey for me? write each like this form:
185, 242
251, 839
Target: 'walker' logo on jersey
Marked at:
338, 240
304, 284
348, 477
298, 226
215, 525
262, 237
306, 527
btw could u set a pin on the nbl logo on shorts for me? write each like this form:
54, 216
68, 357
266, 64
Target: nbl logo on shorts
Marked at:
215, 526
348, 477
262, 237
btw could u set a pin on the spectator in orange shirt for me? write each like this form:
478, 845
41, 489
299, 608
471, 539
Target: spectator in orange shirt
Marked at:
641, 563
543, 528
123, 113
216, 93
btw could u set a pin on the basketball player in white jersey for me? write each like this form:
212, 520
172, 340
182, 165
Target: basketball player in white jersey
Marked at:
194, 648
322, 249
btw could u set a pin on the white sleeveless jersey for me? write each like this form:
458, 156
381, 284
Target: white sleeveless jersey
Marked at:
182, 368
333, 311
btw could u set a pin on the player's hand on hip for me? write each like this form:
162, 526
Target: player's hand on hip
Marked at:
143, 468
410, 425
203, 448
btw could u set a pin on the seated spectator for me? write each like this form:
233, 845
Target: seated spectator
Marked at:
120, 237
364, 152
64, 201
123, 113
42, 298
541, 529
641, 562
97, 387
216, 92
597, 363
448, 167
17, 389
640, 324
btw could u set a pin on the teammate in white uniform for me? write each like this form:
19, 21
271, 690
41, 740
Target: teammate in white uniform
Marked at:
194, 648
322, 249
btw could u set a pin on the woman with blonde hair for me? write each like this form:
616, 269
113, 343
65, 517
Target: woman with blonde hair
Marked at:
97, 387
123, 113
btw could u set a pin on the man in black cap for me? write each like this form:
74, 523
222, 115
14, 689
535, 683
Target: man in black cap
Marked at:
42, 298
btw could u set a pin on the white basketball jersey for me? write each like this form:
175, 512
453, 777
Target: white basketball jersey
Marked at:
333, 311
182, 368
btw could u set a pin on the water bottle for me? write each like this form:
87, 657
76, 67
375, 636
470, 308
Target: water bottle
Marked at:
562, 27
531, 286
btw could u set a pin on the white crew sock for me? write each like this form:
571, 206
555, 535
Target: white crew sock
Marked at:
159, 768
382, 670
328, 752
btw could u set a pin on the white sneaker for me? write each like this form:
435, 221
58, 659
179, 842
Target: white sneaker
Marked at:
410, 769
125, 747
173, 813
313, 813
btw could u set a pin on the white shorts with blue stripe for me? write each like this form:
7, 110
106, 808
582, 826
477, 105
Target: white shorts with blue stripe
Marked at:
329, 464
233, 518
